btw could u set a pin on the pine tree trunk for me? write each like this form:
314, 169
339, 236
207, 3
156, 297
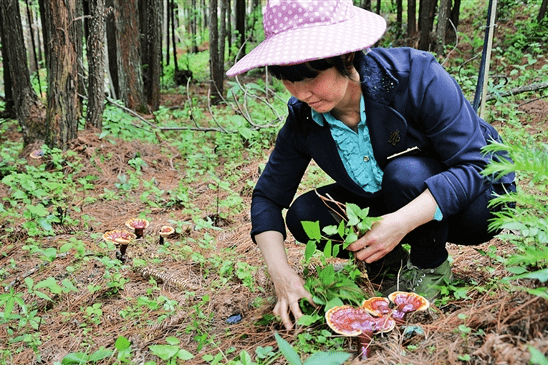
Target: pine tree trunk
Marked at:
152, 51
216, 84
411, 21
112, 50
426, 23
9, 110
451, 36
62, 112
542, 10
442, 25
96, 65
29, 109
240, 25
128, 54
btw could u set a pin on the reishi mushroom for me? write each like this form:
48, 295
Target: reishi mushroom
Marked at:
138, 225
351, 321
377, 306
37, 154
405, 303
120, 238
164, 232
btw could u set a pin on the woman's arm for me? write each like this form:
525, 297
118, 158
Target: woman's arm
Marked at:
288, 284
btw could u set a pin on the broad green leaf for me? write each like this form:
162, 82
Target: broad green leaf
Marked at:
331, 230
287, 350
312, 230
327, 358
100, 354
184, 355
75, 358
49, 283
328, 249
537, 357
516, 270
122, 343
309, 250
173, 340
335, 302
541, 275
307, 320
164, 352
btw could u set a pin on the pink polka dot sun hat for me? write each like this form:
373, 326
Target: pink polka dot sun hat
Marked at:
298, 31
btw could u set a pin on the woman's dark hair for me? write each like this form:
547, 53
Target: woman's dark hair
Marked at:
311, 69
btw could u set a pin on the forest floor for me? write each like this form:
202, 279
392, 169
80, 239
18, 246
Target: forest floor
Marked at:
487, 327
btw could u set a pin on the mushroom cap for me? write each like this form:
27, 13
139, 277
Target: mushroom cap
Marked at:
166, 231
137, 223
351, 321
409, 302
36, 154
377, 306
119, 237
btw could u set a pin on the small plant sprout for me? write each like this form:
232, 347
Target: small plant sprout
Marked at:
351, 321
37, 154
138, 225
165, 231
120, 238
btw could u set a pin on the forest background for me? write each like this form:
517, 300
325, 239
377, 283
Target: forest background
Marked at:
115, 109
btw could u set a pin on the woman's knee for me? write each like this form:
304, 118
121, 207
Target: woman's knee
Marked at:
407, 175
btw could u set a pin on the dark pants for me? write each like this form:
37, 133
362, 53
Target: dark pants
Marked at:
404, 179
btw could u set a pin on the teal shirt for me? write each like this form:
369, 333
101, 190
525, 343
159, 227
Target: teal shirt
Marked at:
356, 151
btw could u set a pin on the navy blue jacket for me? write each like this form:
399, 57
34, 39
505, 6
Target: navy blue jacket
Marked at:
410, 102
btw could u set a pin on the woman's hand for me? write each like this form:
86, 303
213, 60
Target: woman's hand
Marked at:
382, 238
387, 233
288, 284
289, 290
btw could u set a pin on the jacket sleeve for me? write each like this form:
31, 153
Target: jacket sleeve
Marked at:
279, 181
454, 131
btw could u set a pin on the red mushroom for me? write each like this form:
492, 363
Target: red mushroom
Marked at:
120, 238
350, 321
164, 232
37, 154
377, 306
405, 303
138, 225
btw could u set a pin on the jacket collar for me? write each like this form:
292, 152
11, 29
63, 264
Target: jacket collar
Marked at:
378, 83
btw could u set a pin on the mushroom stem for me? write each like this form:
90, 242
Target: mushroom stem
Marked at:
123, 249
139, 231
161, 240
364, 341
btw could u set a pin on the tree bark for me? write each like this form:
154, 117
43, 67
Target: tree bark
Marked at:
128, 55
152, 51
96, 65
9, 110
451, 35
29, 109
411, 20
216, 84
442, 25
240, 25
62, 112
426, 23
112, 49
542, 10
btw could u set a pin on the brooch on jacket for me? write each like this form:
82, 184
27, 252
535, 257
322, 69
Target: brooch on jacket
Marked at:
394, 137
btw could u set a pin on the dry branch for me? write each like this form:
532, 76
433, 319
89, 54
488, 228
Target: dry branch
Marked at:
518, 90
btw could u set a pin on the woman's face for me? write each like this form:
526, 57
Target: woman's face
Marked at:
327, 91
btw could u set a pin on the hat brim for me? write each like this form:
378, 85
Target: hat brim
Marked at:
296, 46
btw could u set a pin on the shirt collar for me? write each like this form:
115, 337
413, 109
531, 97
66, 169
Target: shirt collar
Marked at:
321, 118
